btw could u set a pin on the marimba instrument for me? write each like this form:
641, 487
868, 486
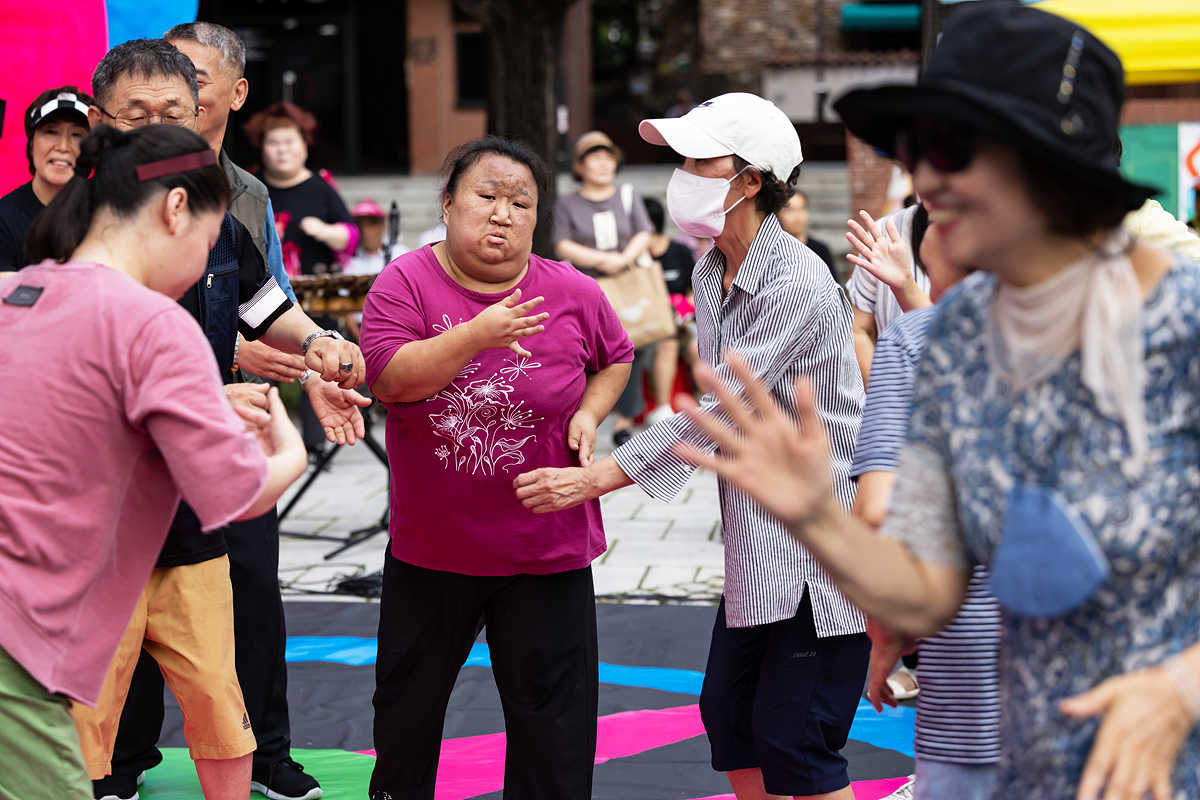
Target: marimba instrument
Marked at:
332, 294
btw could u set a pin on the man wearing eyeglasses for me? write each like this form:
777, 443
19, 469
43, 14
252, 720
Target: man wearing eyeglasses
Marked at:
185, 619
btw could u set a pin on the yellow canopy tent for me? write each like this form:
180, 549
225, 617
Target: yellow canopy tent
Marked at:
1158, 40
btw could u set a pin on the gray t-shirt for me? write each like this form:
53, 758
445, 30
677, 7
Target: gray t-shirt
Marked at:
603, 225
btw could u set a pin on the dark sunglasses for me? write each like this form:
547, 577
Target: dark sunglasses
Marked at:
947, 146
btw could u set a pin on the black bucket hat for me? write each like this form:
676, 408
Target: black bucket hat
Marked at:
1029, 79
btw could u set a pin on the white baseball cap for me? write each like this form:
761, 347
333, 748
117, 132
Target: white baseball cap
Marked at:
732, 124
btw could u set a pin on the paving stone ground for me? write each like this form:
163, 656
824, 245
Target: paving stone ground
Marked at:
657, 552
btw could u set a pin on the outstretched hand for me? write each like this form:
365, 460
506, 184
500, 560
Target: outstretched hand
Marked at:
505, 323
784, 467
888, 258
337, 410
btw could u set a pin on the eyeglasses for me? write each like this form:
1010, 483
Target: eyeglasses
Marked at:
136, 118
947, 146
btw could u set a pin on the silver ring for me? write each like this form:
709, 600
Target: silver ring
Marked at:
345, 367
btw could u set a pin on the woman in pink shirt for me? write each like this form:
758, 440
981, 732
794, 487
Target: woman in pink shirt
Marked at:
492, 361
91, 474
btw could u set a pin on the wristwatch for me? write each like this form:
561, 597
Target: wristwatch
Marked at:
312, 337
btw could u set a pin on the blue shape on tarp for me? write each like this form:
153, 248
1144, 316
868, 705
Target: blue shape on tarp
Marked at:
356, 651
359, 651
892, 729
137, 19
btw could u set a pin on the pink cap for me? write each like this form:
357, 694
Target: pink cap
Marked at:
367, 208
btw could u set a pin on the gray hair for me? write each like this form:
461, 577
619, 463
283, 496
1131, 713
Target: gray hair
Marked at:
146, 58
218, 37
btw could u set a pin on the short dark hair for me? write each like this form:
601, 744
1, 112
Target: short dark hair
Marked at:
40, 101
774, 193
1071, 203
918, 229
148, 58
218, 37
112, 158
463, 157
656, 212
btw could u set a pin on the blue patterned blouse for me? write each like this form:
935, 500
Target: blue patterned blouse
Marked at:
971, 438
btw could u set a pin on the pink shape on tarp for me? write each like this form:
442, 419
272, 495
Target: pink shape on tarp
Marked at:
41, 48
863, 790
474, 765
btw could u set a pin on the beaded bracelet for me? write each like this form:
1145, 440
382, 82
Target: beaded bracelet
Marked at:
1186, 683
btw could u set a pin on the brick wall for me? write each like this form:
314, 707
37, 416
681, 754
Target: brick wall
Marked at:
741, 36
1160, 110
869, 175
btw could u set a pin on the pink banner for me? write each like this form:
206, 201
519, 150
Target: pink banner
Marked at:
40, 48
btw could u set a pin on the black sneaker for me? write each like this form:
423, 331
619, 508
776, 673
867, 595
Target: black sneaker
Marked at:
621, 437
117, 787
284, 780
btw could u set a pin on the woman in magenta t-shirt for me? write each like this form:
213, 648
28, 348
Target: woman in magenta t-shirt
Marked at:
492, 362
91, 474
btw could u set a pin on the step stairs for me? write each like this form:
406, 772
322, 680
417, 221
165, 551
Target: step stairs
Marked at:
827, 185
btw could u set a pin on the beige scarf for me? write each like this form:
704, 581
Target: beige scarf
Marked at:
1094, 305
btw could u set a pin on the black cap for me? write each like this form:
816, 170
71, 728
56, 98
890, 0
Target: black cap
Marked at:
65, 102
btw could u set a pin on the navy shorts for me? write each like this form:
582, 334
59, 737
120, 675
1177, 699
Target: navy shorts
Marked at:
778, 698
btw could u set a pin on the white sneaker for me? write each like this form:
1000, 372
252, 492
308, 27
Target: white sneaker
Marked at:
658, 415
899, 690
905, 792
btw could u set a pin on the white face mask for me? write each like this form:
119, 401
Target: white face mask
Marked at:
698, 204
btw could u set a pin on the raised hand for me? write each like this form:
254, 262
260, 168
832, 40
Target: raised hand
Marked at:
505, 323
783, 466
888, 258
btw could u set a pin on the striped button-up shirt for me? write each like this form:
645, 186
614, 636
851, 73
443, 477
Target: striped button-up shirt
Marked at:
785, 315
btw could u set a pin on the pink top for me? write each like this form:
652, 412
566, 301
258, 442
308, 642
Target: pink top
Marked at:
113, 408
454, 456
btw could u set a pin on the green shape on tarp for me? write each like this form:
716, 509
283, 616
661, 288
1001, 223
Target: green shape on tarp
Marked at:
343, 775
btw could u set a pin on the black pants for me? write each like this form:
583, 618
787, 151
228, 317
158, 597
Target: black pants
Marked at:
632, 401
259, 642
541, 630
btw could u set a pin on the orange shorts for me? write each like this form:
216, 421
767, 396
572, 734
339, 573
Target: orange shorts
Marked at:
184, 620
